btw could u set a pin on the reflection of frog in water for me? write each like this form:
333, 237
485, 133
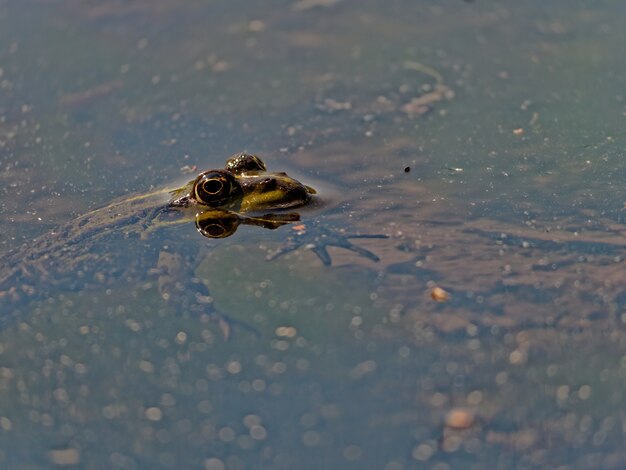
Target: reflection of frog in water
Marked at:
244, 192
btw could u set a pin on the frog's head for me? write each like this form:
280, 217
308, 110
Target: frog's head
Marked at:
243, 186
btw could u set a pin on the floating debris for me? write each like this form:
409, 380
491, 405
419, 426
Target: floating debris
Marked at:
439, 295
286, 331
330, 106
188, 169
423, 104
78, 99
154, 414
64, 457
454, 169
303, 5
460, 418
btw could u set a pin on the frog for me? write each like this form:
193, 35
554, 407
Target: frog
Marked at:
218, 201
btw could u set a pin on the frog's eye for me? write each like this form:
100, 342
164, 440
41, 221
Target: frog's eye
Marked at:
215, 188
244, 163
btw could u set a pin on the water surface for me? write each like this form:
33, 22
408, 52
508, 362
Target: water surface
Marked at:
485, 138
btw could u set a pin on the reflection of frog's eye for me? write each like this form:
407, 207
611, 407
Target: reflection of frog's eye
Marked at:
215, 187
217, 224
215, 231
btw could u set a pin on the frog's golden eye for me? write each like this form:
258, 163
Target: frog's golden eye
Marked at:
215, 188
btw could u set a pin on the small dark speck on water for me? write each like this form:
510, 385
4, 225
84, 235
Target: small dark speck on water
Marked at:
407, 169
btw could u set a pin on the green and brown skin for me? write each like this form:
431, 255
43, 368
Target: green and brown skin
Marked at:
243, 186
243, 189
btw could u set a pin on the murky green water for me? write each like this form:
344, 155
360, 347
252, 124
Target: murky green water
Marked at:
485, 138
